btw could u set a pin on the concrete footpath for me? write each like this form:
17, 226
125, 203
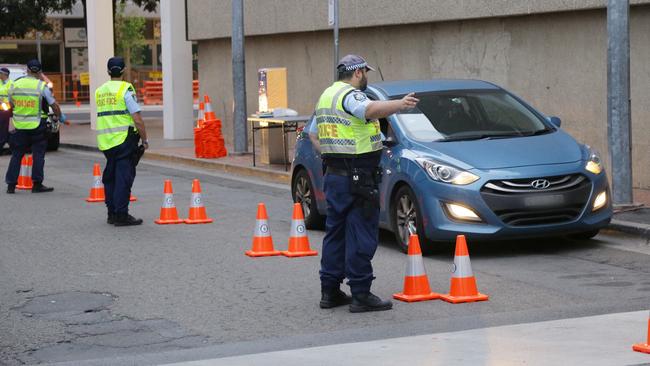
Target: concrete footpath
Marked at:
596, 340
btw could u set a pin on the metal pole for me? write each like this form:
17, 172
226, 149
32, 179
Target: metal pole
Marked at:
239, 78
618, 100
38, 45
336, 37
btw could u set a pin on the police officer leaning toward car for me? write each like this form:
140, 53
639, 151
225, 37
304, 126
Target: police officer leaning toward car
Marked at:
350, 142
5, 111
29, 118
119, 129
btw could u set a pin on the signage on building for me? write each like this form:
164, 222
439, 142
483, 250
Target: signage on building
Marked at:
75, 37
84, 78
155, 74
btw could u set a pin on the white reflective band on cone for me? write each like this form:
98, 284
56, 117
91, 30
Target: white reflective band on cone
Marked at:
262, 228
196, 200
462, 267
414, 266
97, 182
23, 170
168, 201
298, 228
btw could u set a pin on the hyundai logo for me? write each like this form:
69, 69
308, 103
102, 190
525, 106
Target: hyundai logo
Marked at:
540, 184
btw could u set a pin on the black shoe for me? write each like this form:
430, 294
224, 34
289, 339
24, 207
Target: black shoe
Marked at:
333, 298
368, 302
125, 220
40, 188
11, 188
110, 219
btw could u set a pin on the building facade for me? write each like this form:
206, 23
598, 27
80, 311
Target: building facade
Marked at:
552, 53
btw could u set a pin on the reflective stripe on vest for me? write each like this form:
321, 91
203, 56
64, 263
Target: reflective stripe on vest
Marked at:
4, 90
113, 118
340, 132
26, 95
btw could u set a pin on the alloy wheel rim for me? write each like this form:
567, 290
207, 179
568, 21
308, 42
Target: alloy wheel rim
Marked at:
406, 217
303, 195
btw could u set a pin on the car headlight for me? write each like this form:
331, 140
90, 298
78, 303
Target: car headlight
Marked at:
461, 212
600, 201
594, 164
446, 173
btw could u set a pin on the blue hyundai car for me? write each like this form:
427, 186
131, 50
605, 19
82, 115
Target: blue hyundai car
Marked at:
472, 159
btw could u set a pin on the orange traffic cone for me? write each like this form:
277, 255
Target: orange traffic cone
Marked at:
25, 176
132, 198
197, 210
463, 283
298, 240
209, 113
97, 193
262, 240
201, 118
168, 212
643, 347
416, 282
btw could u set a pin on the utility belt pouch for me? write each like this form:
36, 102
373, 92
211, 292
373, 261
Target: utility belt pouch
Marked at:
363, 185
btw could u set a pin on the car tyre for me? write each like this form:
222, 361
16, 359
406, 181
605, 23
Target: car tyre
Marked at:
405, 211
302, 191
586, 235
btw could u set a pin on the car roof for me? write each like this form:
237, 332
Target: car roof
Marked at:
401, 87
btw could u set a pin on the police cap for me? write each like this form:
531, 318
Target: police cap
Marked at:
353, 62
34, 65
115, 66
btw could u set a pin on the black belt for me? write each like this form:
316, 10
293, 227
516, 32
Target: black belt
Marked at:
338, 171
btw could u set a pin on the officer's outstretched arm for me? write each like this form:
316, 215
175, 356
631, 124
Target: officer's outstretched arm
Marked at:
384, 108
56, 109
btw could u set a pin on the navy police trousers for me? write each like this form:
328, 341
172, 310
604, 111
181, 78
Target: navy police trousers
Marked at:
22, 140
350, 240
119, 175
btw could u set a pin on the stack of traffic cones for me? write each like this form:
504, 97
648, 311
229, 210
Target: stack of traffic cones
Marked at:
416, 282
209, 142
197, 213
168, 212
25, 177
298, 240
644, 347
97, 193
463, 283
198, 144
262, 240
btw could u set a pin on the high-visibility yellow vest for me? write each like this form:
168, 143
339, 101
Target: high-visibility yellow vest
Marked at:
26, 95
113, 118
340, 133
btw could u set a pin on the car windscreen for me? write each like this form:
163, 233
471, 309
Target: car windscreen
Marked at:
470, 115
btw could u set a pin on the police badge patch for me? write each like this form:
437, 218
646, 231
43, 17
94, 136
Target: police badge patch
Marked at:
360, 97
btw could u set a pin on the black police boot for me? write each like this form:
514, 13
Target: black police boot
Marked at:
333, 297
125, 220
11, 188
368, 302
40, 188
110, 218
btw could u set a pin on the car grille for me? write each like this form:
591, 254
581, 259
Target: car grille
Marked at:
517, 203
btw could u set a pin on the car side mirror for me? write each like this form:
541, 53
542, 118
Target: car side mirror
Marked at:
556, 121
389, 142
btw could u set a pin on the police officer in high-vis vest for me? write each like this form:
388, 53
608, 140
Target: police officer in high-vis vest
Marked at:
5, 109
29, 118
351, 145
119, 129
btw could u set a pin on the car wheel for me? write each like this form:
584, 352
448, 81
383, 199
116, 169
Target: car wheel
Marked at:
406, 214
585, 235
53, 142
303, 193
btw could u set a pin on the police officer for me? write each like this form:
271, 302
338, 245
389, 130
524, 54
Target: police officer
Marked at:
119, 129
29, 119
350, 142
5, 110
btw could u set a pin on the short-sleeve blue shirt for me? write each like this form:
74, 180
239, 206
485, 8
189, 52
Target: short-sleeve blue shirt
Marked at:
131, 102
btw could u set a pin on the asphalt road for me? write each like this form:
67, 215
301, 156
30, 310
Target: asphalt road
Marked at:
74, 288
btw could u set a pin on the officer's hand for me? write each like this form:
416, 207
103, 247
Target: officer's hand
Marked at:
145, 143
409, 101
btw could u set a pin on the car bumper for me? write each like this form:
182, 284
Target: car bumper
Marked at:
438, 225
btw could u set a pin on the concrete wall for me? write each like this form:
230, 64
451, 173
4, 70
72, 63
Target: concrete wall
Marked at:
212, 18
555, 61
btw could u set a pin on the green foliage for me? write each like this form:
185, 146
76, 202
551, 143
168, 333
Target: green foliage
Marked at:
129, 36
18, 17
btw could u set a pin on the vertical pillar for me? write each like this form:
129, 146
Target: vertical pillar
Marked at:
618, 100
100, 47
178, 115
239, 78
